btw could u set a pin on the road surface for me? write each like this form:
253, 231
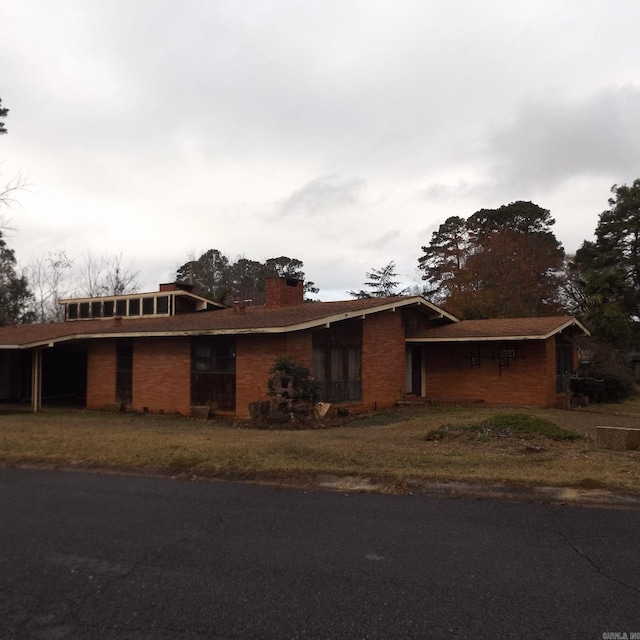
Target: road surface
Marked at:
101, 556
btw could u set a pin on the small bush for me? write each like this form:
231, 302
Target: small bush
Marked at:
302, 381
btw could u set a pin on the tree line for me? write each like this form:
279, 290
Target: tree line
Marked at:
507, 262
222, 279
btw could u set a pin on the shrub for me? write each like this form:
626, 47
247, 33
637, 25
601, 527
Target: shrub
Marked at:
605, 378
306, 388
602, 386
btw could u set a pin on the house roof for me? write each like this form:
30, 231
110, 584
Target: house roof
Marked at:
497, 329
220, 322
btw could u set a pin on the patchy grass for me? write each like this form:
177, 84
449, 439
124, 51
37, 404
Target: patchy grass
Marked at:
516, 447
505, 425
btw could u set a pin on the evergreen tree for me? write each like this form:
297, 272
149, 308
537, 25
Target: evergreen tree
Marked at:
617, 244
16, 301
381, 283
609, 269
3, 114
503, 262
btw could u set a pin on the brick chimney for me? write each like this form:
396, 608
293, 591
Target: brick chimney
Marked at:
177, 286
283, 292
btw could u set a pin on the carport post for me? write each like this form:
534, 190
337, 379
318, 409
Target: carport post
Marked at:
36, 380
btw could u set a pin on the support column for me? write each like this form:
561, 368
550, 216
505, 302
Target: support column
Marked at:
36, 380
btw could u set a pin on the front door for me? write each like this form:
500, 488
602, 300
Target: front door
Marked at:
414, 370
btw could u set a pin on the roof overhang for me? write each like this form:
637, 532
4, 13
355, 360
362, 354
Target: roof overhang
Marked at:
571, 322
417, 302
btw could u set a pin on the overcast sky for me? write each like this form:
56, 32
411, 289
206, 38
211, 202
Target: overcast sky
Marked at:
341, 133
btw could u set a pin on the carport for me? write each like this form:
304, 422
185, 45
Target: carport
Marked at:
51, 375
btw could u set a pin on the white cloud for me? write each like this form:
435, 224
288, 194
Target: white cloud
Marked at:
323, 196
549, 142
339, 133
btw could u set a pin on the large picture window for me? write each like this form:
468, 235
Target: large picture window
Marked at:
213, 372
337, 358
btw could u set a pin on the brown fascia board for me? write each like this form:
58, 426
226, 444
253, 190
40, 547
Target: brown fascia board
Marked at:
505, 338
300, 326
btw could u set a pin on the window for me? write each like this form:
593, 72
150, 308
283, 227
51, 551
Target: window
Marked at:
162, 304
147, 306
337, 361
108, 308
124, 371
213, 372
134, 307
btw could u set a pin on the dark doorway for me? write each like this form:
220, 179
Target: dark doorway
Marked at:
416, 370
64, 375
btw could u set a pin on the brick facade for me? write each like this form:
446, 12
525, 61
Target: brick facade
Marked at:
101, 373
529, 379
162, 375
383, 359
255, 355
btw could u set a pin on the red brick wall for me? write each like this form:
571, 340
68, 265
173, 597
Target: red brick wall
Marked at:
162, 375
528, 380
280, 293
162, 370
383, 359
255, 355
101, 373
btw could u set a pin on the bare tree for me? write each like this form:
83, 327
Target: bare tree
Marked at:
120, 278
107, 276
48, 277
7, 197
8, 190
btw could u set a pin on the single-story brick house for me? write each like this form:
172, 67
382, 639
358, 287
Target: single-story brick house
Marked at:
171, 350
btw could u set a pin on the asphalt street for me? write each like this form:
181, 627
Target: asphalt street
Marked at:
105, 556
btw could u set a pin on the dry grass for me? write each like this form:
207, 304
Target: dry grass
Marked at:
630, 407
390, 446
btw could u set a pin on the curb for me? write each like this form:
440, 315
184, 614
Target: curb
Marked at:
452, 489
409, 487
